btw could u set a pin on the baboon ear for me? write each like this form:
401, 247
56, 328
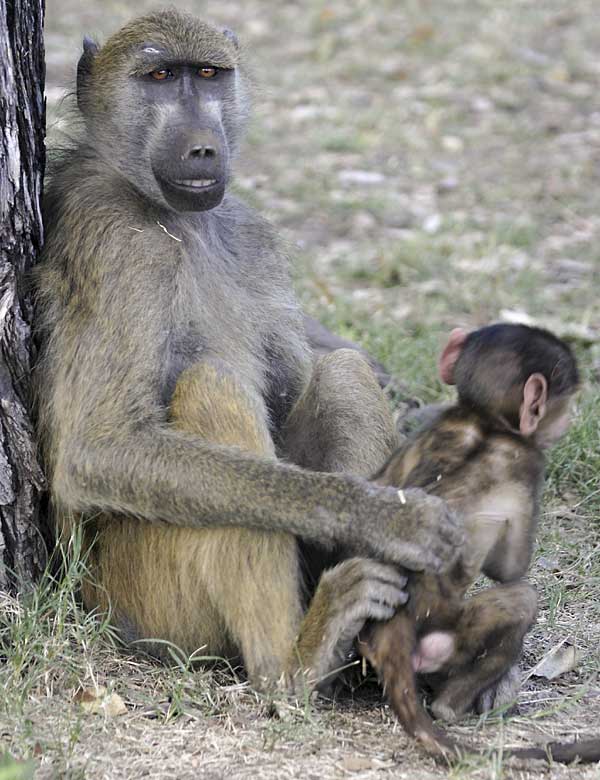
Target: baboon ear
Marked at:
450, 355
533, 407
231, 36
84, 67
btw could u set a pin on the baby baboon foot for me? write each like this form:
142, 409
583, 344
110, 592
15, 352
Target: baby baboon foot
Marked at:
443, 711
358, 590
454, 700
502, 693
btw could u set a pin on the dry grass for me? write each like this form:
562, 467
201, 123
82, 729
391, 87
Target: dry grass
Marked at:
478, 126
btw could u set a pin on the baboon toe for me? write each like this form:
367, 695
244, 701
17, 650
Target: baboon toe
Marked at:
443, 711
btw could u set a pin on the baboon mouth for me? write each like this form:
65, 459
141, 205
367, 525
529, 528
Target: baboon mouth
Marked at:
192, 194
196, 184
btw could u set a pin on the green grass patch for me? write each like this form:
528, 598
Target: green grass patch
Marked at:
45, 636
575, 462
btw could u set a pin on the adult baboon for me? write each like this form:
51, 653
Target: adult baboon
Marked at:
157, 285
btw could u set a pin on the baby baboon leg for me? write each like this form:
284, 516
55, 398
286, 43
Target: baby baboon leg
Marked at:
502, 693
489, 638
343, 421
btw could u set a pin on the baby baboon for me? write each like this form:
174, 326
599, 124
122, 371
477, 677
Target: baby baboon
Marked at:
484, 456
151, 268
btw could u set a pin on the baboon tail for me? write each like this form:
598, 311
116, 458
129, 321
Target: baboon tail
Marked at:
585, 751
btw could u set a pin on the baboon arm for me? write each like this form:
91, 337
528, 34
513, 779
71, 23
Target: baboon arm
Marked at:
509, 558
113, 451
165, 475
171, 476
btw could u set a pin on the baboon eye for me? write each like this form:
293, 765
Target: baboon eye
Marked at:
162, 74
207, 73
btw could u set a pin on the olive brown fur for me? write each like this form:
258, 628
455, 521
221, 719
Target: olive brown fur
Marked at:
183, 420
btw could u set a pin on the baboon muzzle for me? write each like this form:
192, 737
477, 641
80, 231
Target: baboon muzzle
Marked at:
191, 169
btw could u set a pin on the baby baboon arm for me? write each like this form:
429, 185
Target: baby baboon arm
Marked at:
508, 559
435, 452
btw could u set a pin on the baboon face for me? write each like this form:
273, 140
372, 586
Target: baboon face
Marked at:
163, 104
188, 151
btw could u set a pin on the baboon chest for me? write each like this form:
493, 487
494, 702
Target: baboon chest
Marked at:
222, 321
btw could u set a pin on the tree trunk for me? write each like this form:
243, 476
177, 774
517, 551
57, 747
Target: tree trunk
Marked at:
22, 548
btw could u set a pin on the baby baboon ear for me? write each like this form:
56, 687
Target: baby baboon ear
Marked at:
533, 406
84, 68
450, 355
232, 37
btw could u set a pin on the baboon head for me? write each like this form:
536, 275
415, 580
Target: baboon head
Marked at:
525, 375
164, 105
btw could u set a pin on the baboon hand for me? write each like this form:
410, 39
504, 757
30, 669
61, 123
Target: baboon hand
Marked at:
414, 529
348, 595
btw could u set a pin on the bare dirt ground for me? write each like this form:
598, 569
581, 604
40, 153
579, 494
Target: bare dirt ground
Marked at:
433, 164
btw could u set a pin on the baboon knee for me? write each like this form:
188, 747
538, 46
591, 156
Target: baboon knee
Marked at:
344, 366
354, 412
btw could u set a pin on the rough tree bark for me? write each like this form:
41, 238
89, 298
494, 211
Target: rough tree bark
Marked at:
22, 549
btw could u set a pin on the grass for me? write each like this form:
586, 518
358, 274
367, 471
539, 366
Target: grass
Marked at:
481, 121
51, 649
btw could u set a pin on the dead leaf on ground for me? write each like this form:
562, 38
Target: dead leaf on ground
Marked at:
357, 764
561, 659
94, 700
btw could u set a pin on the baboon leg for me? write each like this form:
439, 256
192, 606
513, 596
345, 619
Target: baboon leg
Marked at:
232, 592
251, 577
343, 421
489, 638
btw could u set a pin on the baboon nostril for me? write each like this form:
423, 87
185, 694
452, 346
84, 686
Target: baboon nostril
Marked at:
201, 152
